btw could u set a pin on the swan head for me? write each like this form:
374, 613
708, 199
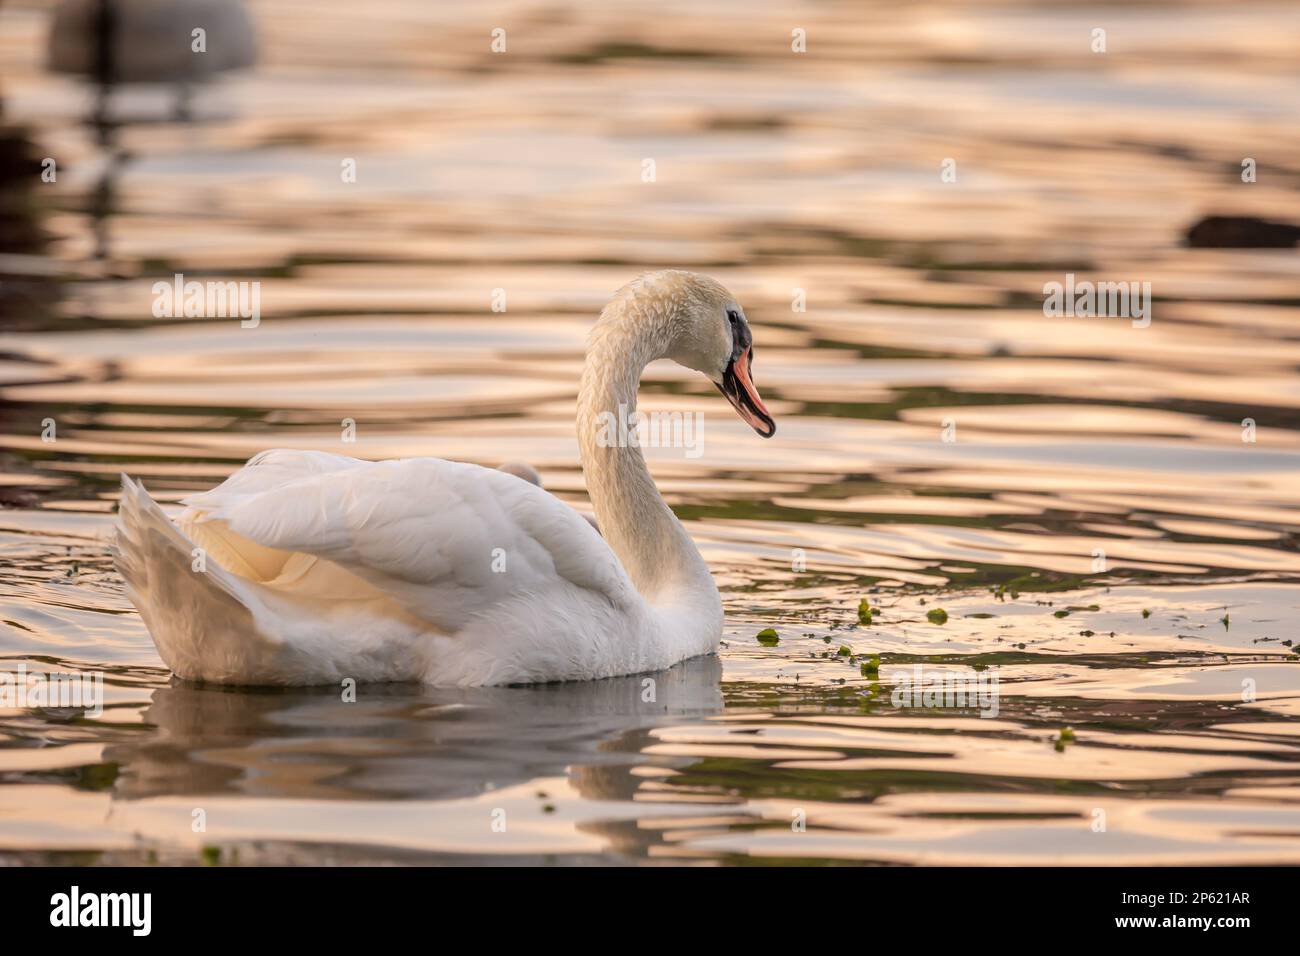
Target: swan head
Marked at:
705, 329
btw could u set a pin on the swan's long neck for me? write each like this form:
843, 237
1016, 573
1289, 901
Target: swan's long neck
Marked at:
642, 530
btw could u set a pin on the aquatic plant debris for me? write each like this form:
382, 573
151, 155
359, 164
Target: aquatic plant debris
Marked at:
768, 637
864, 612
937, 616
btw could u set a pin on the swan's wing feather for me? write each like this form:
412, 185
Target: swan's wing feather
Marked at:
268, 470
445, 539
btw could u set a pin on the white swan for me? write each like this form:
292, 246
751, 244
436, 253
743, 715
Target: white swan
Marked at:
150, 41
309, 568
521, 469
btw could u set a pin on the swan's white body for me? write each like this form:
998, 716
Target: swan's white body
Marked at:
320, 567
309, 568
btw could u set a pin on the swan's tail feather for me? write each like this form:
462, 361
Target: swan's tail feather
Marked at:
201, 617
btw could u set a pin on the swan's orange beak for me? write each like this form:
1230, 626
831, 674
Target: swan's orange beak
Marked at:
738, 385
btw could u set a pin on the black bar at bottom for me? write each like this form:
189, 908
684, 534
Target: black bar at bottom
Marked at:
305, 905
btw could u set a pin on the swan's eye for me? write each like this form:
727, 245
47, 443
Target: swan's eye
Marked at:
733, 316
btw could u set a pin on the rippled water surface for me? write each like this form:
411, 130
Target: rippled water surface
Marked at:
1099, 534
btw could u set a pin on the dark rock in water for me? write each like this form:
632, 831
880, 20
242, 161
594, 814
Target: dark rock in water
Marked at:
1242, 232
11, 497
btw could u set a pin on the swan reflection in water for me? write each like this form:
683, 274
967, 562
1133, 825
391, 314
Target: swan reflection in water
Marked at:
409, 740
300, 776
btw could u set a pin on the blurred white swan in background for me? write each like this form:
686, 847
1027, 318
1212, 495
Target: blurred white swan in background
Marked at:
150, 41
314, 567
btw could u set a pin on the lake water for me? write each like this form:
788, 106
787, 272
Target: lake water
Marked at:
1077, 494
